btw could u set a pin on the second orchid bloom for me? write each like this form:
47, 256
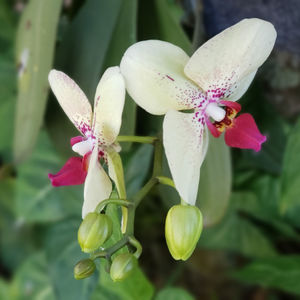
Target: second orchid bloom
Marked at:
162, 79
99, 132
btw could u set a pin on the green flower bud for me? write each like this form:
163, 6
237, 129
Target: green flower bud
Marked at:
122, 266
94, 231
84, 269
182, 229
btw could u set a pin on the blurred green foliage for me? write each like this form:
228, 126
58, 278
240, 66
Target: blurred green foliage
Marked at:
256, 227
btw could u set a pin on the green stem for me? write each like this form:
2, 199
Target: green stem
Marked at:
158, 152
137, 198
121, 202
135, 243
110, 251
166, 181
136, 139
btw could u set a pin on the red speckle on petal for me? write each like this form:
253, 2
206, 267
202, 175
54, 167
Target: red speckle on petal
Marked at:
169, 77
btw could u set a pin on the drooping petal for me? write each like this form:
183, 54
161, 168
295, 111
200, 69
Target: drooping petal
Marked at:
72, 100
185, 141
108, 106
72, 173
153, 72
244, 134
97, 185
232, 57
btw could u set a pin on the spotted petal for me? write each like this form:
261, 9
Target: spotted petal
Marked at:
231, 57
185, 141
108, 106
72, 100
97, 185
154, 77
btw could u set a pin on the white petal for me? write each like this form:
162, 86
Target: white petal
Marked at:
235, 92
185, 140
72, 100
97, 186
108, 106
232, 55
153, 72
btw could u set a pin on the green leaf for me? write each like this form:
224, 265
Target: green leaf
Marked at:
290, 180
31, 281
158, 21
16, 238
63, 252
135, 287
169, 25
237, 233
137, 168
174, 293
215, 182
4, 290
282, 273
36, 199
34, 53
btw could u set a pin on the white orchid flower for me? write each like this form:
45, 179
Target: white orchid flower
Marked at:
162, 79
99, 131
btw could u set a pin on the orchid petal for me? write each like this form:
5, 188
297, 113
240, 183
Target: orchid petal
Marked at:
236, 91
108, 106
244, 134
72, 173
185, 141
72, 100
97, 185
153, 72
231, 57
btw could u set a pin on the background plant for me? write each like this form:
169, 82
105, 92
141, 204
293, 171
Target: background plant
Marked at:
249, 248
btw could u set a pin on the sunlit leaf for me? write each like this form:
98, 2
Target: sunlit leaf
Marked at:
34, 54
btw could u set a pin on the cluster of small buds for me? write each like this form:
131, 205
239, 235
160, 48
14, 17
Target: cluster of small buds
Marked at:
94, 231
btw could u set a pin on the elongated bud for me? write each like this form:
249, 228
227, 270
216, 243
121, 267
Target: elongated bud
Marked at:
94, 231
122, 266
182, 229
84, 269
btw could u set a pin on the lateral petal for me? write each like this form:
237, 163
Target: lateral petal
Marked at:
108, 106
232, 56
97, 185
72, 100
153, 72
185, 140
